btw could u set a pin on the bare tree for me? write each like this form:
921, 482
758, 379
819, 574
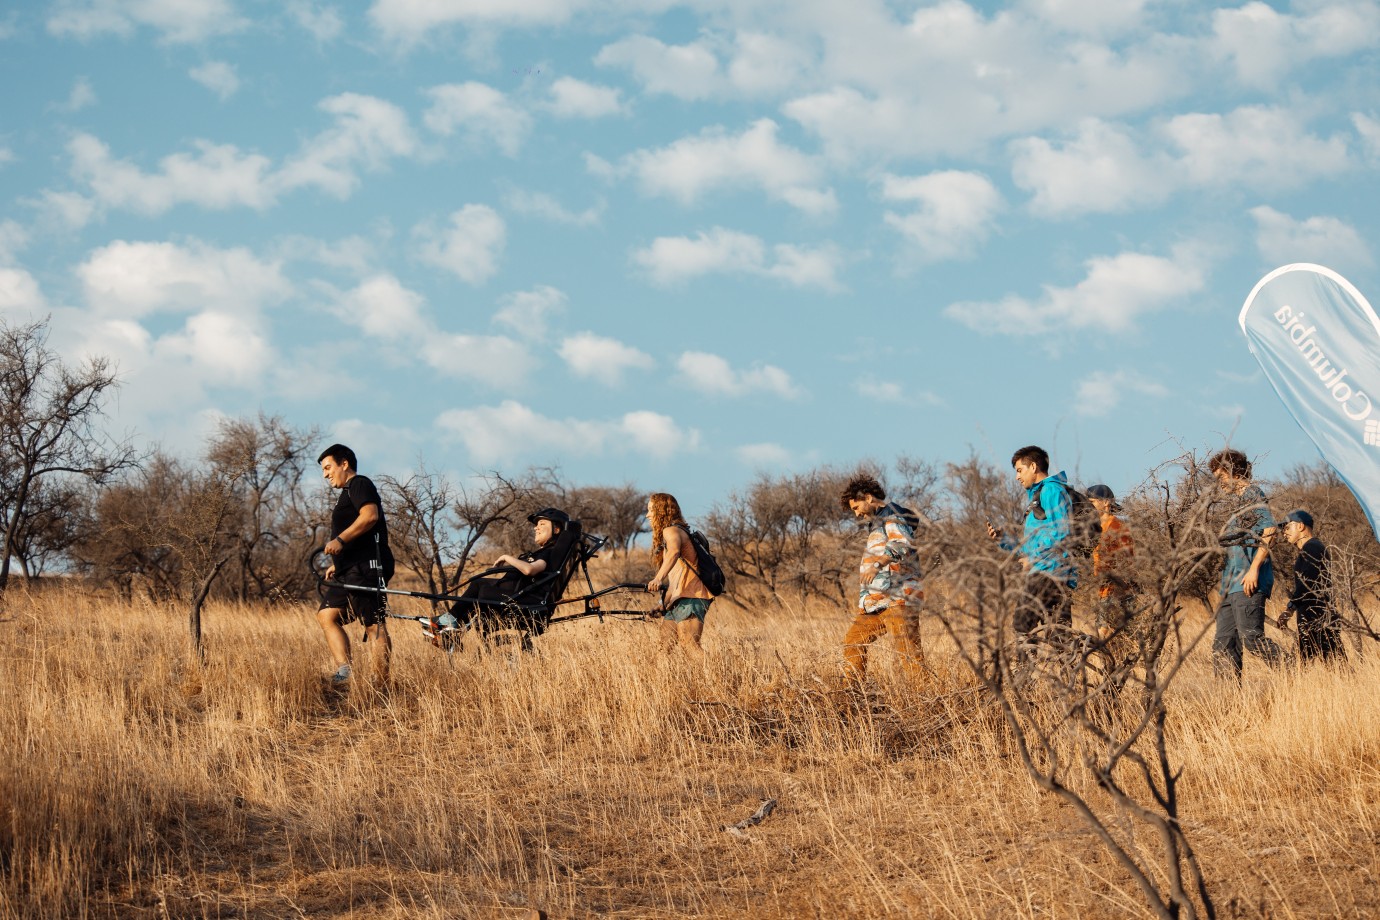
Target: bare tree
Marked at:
423, 530
784, 537
48, 413
53, 521
267, 459
1104, 753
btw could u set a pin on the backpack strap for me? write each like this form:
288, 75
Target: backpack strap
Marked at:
681, 556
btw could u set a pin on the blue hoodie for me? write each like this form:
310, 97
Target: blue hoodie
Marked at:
1044, 540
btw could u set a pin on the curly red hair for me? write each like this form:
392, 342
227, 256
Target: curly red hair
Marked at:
664, 512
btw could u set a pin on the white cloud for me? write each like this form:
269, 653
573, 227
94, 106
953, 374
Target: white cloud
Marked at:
512, 430
526, 312
714, 376
176, 21
1368, 129
482, 114
1116, 292
1100, 170
367, 132
409, 21
1264, 45
494, 360
1102, 391
469, 247
225, 347
765, 65
13, 238
6, 156
673, 259
892, 391
684, 71
953, 216
63, 210
876, 90
383, 308
323, 22
397, 316
1325, 240
82, 96
1090, 17
222, 342
603, 359
800, 266
134, 279
571, 98
1254, 145
352, 254
599, 167
20, 293
1106, 168
217, 76
760, 64
765, 455
215, 176
539, 204
711, 161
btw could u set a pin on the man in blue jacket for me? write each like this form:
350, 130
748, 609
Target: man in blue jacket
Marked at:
1051, 575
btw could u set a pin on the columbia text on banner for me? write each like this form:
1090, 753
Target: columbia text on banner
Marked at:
1318, 341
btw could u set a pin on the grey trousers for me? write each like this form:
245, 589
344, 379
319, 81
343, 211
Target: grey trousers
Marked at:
1241, 625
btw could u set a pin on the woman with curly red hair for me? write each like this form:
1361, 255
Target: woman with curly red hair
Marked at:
686, 599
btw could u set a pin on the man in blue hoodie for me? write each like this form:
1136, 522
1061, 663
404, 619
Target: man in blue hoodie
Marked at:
1044, 548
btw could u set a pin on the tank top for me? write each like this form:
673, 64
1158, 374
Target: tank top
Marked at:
682, 580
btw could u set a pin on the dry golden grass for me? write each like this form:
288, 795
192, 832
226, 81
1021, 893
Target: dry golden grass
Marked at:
594, 778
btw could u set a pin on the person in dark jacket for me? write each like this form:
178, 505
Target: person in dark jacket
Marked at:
1320, 636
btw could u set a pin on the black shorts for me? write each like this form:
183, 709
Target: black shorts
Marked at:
365, 606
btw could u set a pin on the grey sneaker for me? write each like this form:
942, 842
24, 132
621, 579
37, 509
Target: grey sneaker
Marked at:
341, 676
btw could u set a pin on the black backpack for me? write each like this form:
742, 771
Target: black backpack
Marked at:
707, 567
1085, 523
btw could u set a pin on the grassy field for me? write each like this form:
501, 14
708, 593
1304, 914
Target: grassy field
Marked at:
595, 778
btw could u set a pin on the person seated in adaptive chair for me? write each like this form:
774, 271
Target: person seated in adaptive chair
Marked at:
520, 573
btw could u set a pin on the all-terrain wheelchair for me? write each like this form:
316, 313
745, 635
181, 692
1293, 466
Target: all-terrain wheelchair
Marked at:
529, 609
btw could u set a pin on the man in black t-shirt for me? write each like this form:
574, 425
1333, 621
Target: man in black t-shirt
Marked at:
360, 556
1320, 635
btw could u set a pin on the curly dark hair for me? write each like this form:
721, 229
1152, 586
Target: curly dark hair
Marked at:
1233, 461
859, 486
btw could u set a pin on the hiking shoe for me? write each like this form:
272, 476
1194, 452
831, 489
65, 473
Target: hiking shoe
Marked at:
341, 676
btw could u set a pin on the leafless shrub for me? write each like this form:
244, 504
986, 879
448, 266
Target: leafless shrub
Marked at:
1102, 751
48, 434
782, 538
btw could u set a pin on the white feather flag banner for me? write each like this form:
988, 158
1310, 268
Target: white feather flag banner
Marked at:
1318, 341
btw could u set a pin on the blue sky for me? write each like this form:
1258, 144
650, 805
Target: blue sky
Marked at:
680, 242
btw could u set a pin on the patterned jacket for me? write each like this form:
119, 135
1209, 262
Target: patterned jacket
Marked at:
890, 573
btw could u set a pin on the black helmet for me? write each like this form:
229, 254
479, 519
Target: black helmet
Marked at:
554, 515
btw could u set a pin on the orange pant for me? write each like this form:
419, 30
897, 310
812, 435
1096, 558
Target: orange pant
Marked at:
904, 625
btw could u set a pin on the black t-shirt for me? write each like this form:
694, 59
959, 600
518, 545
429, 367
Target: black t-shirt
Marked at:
358, 492
552, 554
1310, 577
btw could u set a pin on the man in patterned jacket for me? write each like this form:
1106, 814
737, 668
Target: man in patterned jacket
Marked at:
890, 589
